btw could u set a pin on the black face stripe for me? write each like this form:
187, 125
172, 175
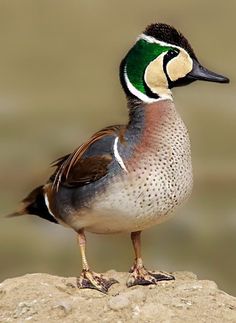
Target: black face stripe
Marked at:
181, 81
148, 91
168, 56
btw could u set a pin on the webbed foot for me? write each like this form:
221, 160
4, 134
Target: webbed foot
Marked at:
92, 280
139, 275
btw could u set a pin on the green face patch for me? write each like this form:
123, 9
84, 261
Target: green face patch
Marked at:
139, 58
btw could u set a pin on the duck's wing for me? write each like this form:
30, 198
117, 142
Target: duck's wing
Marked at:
90, 161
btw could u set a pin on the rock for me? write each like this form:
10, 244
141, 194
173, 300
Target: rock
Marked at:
46, 298
118, 302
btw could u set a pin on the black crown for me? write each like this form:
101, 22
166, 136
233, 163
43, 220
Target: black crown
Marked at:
170, 35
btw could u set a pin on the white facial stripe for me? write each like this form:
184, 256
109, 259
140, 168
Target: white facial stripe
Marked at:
137, 93
117, 155
47, 204
153, 40
143, 97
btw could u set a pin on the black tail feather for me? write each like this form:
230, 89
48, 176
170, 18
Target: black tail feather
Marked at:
35, 204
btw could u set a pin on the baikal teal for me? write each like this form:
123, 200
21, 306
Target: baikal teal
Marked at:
127, 178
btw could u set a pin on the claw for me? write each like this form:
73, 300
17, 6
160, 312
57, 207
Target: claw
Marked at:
139, 275
92, 280
159, 276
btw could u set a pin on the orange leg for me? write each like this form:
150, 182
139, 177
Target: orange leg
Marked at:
88, 278
82, 243
136, 240
139, 275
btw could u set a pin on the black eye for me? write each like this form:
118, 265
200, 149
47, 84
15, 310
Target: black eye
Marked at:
172, 53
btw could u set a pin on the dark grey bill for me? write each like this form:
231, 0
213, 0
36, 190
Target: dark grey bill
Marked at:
201, 73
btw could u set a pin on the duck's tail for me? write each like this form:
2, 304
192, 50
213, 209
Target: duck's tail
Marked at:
34, 204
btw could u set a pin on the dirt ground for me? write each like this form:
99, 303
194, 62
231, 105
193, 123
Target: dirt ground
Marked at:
47, 298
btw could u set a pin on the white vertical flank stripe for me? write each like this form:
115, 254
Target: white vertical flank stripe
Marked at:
117, 155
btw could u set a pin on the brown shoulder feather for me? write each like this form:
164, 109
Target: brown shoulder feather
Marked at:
76, 170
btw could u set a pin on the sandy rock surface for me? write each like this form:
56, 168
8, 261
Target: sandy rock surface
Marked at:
46, 298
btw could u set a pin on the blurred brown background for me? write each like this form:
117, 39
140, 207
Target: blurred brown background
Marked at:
59, 84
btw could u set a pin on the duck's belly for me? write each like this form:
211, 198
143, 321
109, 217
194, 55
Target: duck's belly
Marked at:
143, 197
158, 179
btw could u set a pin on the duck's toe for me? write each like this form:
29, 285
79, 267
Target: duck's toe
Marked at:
92, 280
159, 275
141, 276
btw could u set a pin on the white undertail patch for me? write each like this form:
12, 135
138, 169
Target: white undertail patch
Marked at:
117, 155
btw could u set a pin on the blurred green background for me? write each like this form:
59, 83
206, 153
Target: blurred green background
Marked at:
59, 84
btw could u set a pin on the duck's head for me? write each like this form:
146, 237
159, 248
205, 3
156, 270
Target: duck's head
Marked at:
161, 59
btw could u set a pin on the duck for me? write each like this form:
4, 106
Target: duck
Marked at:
128, 178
